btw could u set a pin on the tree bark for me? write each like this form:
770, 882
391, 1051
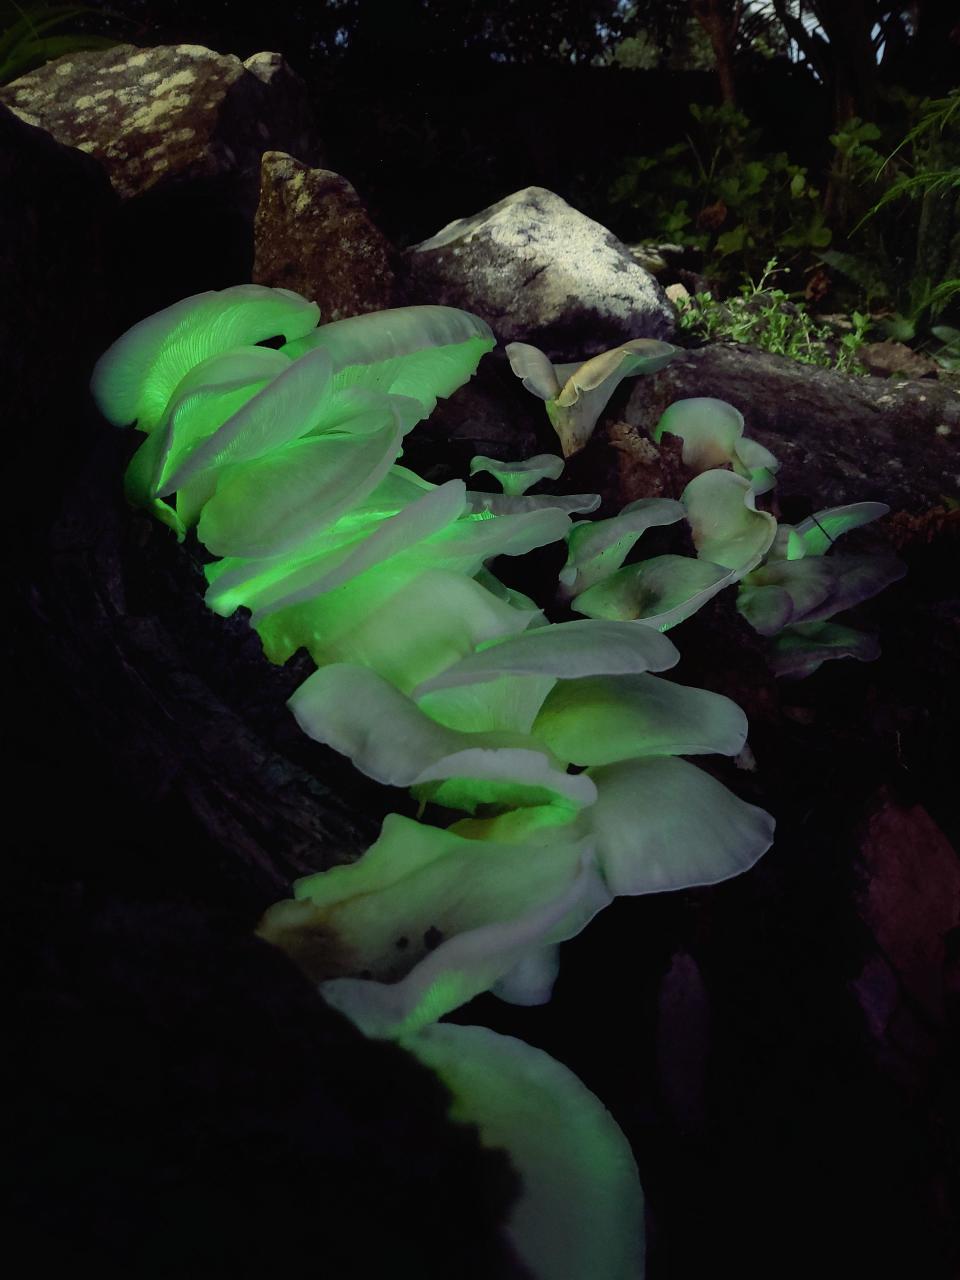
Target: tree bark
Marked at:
721, 25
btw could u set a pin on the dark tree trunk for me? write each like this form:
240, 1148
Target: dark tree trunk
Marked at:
721, 24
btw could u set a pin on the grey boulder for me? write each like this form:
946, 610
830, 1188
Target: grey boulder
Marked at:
539, 271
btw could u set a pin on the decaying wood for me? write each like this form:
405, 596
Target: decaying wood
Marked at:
839, 438
180, 705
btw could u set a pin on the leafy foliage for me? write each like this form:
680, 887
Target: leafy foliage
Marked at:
767, 317
717, 192
31, 36
907, 260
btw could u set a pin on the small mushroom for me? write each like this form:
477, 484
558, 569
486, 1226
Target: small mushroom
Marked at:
577, 394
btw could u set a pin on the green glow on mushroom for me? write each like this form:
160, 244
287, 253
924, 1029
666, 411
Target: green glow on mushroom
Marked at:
712, 435
580, 1213
517, 477
134, 380
557, 740
598, 548
576, 394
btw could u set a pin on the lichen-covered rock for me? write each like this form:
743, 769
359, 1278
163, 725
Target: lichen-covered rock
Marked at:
154, 115
313, 235
540, 272
180, 131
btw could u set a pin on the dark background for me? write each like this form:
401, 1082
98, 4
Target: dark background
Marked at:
183, 1105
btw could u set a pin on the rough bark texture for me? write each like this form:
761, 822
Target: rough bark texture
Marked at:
721, 23
182, 704
186, 1106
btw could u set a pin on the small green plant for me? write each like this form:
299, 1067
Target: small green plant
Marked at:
947, 356
767, 318
932, 174
909, 266
717, 192
26, 39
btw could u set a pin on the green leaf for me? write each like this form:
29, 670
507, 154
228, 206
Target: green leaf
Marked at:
754, 174
35, 20
865, 274
899, 327
41, 51
733, 241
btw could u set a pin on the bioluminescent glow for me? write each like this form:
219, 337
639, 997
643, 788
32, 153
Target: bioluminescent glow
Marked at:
559, 742
576, 394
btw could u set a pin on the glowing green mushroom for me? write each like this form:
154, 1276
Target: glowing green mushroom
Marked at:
207, 395
400, 619
798, 651
508, 504
471, 962
374, 543
600, 720
517, 477
660, 592
727, 528
339, 705
580, 1211
577, 394
407, 607
271, 504
799, 586
712, 435
260, 583
413, 888
660, 823
820, 531
781, 591
598, 548
418, 352
134, 380
564, 650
